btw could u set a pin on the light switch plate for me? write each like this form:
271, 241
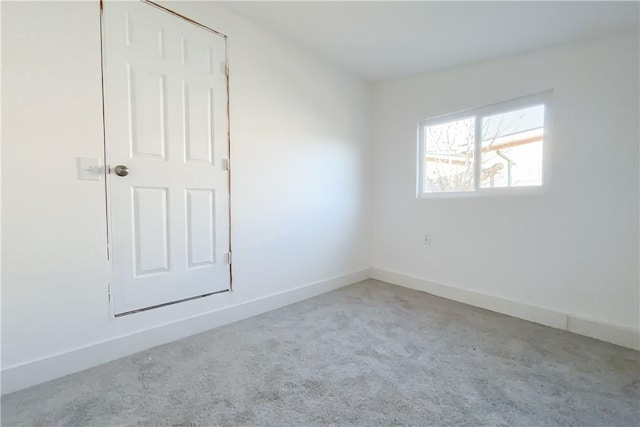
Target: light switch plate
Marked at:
89, 169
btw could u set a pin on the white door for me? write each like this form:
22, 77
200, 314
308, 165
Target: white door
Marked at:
166, 124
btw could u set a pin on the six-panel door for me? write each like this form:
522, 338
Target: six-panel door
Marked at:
166, 120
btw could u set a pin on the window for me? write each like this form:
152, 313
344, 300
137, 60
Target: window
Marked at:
480, 150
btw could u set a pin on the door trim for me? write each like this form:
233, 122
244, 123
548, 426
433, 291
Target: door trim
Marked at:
112, 314
126, 313
196, 23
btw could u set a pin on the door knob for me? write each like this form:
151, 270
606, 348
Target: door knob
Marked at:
121, 170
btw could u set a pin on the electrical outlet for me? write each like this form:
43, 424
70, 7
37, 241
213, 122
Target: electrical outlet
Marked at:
426, 239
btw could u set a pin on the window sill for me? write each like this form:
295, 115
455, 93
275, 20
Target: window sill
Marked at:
487, 192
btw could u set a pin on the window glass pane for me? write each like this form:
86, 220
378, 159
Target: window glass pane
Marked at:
449, 152
512, 148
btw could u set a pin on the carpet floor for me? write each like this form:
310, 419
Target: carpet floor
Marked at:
368, 354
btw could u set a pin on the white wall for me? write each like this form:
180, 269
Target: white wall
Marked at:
572, 249
300, 188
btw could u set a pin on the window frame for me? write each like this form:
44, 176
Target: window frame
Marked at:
541, 98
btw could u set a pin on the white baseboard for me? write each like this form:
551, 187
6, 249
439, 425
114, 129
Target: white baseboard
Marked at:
616, 334
34, 372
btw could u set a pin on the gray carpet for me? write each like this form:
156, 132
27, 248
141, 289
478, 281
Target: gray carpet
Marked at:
368, 354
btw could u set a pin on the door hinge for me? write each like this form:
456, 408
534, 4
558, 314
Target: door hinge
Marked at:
227, 258
225, 164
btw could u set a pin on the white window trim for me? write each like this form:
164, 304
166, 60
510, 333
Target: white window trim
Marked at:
488, 110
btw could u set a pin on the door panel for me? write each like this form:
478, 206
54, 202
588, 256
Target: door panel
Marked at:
150, 231
198, 123
165, 96
201, 228
147, 112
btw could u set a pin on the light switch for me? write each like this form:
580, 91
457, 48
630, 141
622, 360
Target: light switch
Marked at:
89, 169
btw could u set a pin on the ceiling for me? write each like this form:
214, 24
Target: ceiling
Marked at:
378, 40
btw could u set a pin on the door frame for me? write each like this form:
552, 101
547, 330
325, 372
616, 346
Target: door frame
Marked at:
106, 169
